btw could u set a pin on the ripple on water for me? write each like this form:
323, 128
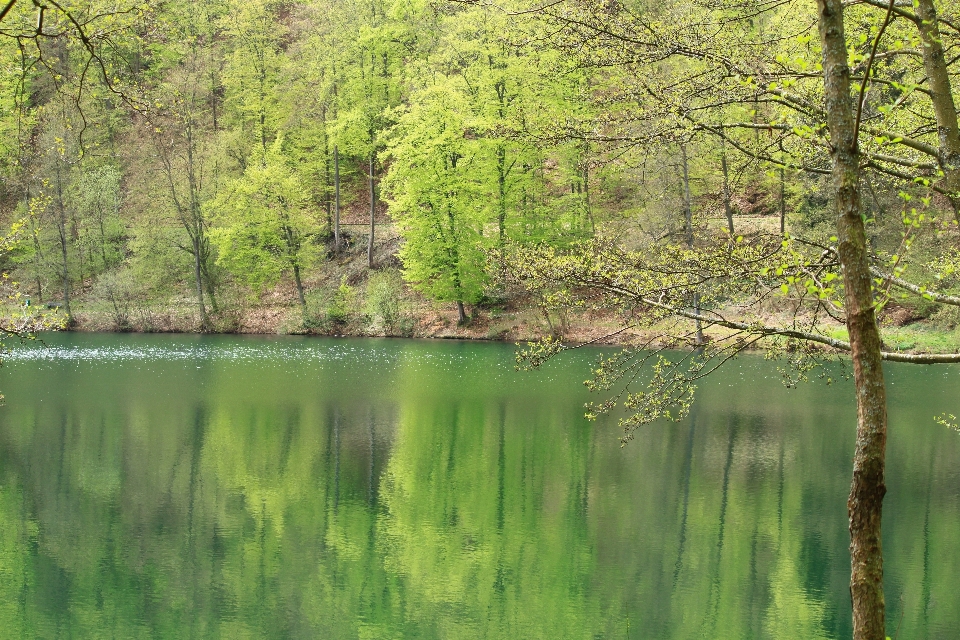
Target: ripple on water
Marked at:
281, 353
198, 352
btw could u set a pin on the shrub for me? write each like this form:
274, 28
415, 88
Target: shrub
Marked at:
384, 297
342, 305
118, 289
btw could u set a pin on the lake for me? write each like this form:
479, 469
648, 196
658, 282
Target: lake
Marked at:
241, 487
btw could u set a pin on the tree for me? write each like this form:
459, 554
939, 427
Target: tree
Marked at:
182, 125
97, 199
839, 280
369, 91
436, 200
264, 225
470, 154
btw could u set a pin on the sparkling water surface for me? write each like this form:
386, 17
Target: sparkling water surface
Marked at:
217, 486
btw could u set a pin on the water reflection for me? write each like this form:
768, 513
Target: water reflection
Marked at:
181, 487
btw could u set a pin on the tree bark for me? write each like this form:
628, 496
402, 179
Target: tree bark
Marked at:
373, 210
867, 489
208, 280
336, 199
62, 231
194, 224
941, 96
783, 203
502, 194
198, 276
293, 255
727, 209
299, 283
688, 221
585, 180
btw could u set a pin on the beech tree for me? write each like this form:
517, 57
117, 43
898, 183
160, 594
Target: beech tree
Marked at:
264, 225
716, 75
437, 201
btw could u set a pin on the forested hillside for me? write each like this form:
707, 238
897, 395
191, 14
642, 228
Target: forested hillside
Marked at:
202, 155
369, 167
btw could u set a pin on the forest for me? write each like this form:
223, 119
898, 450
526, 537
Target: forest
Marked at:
714, 176
196, 157
371, 167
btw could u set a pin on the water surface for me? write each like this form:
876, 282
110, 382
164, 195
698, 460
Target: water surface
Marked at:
186, 486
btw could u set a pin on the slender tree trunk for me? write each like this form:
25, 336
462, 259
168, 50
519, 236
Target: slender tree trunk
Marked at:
37, 249
214, 85
194, 225
727, 208
941, 96
688, 220
293, 250
198, 277
867, 488
336, 199
299, 283
586, 196
373, 210
208, 278
783, 203
502, 193
103, 242
62, 231
327, 204
461, 313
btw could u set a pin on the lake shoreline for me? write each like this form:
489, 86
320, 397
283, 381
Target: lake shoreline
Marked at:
515, 324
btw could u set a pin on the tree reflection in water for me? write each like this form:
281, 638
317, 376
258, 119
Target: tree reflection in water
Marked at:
426, 490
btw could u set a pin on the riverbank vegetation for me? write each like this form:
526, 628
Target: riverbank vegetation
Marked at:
228, 167
716, 175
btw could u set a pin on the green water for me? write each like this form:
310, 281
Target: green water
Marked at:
177, 486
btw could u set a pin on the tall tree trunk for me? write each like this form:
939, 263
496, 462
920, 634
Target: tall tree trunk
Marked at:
941, 95
867, 489
103, 242
194, 226
37, 249
299, 283
727, 208
208, 281
586, 192
293, 251
198, 277
336, 199
783, 203
461, 313
62, 231
502, 193
327, 204
688, 221
373, 210
214, 87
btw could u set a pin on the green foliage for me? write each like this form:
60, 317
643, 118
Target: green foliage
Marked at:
436, 200
342, 305
96, 200
384, 303
263, 223
119, 289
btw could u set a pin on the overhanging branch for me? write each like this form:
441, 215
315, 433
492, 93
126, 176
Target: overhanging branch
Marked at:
920, 291
764, 330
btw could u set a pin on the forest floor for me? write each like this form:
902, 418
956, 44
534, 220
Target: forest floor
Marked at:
514, 318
